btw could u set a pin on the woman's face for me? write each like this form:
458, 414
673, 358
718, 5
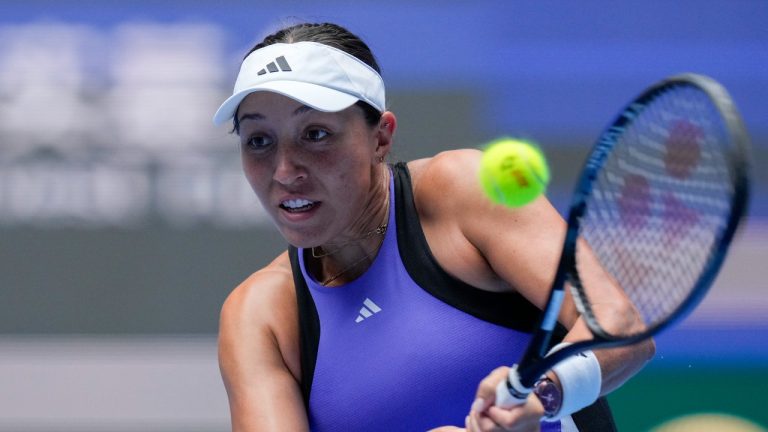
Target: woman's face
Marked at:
314, 172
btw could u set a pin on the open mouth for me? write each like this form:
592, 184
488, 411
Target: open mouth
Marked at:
297, 205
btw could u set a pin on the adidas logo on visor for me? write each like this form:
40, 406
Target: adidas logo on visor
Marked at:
280, 64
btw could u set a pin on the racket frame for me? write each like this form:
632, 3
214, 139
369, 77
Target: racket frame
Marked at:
533, 363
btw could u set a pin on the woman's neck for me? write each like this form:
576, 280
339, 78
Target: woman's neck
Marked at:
345, 259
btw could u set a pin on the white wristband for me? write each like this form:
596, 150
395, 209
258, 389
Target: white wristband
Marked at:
580, 379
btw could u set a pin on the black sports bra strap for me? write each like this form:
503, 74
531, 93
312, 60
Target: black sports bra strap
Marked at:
309, 326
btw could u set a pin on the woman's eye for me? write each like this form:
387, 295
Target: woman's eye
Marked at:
258, 142
317, 134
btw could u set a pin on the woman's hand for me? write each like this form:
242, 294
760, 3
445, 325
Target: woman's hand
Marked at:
485, 417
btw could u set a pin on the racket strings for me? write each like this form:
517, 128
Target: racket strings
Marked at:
659, 204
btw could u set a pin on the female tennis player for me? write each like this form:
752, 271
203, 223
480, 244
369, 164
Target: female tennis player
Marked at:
403, 289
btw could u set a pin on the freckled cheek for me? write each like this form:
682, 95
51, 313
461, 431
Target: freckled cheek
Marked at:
258, 178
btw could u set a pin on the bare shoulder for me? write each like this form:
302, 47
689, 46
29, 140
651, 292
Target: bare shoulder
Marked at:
259, 351
275, 278
451, 174
263, 293
446, 159
444, 187
447, 185
263, 307
490, 246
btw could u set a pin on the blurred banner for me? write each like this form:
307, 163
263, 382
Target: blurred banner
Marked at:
125, 219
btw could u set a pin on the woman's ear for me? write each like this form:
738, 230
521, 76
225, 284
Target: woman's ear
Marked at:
385, 133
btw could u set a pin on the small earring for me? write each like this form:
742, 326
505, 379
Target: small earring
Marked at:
381, 159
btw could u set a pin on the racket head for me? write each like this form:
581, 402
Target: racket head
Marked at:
657, 205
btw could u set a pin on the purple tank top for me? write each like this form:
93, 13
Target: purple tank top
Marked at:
393, 357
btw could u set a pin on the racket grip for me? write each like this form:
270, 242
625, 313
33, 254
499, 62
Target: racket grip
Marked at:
510, 392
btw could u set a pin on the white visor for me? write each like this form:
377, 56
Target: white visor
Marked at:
317, 75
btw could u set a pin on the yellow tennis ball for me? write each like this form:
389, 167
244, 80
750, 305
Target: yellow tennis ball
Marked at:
513, 172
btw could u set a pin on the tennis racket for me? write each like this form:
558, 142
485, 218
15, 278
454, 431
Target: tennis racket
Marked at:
656, 207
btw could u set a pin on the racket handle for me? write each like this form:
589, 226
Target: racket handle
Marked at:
510, 392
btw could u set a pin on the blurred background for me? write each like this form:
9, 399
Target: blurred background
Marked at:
125, 220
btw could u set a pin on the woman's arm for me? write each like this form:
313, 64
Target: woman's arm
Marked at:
258, 353
514, 249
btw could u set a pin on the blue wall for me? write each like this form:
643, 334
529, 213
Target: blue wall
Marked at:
542, 67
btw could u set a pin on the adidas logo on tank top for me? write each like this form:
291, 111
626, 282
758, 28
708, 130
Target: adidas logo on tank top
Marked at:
368, 310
